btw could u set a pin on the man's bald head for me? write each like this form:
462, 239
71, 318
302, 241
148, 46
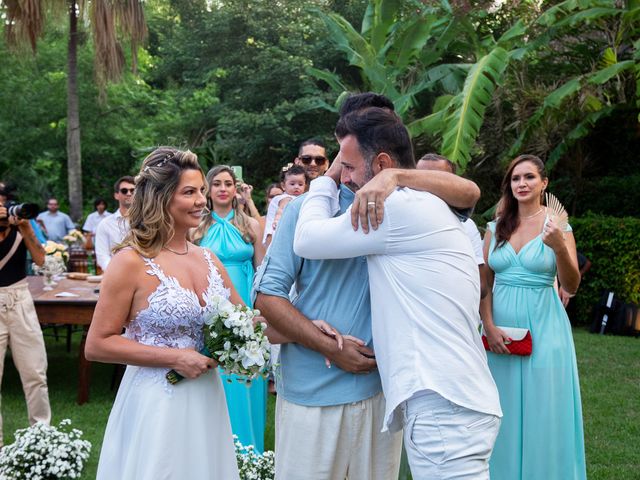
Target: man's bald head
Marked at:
433, 161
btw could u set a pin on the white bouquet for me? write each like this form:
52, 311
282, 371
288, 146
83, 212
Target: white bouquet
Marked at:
252, 465
232, 340
45, 452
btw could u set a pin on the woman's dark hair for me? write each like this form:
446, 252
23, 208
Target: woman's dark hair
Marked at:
508, 219
98, 201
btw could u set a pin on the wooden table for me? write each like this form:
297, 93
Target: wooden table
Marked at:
68, 310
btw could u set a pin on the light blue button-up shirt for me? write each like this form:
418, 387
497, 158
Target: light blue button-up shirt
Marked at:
333, 290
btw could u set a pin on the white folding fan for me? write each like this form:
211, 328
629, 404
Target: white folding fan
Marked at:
556, 212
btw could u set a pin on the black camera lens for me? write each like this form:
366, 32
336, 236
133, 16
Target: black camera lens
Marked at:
22, 210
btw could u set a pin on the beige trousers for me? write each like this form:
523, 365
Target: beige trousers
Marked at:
335, 442
20, 330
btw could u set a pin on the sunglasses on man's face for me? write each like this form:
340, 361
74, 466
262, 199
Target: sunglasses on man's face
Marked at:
124, 191
319, 159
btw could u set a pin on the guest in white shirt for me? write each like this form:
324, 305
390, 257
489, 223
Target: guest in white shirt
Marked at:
111, 230
94, 218
433, 161
425, 291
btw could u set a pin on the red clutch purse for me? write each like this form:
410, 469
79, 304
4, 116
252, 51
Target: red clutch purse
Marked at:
520, 344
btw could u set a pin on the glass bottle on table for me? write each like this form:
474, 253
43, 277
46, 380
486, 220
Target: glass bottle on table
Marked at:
91, 266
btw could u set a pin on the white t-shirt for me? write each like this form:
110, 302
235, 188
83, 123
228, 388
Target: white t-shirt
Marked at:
425, 292
476, 242
110, 232
271, 215
93, 219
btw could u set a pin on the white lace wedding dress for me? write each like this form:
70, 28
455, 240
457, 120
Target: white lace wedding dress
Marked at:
159, 431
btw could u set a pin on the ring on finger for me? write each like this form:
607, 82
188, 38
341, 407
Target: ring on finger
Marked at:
371, 204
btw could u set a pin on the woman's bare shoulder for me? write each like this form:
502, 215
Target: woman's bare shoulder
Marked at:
125, 262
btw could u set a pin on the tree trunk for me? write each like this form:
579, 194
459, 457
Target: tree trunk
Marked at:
74, 159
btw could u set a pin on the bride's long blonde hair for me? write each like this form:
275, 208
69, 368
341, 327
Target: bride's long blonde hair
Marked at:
151, 225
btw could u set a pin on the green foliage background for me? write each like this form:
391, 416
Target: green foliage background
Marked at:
232, 82
612, 246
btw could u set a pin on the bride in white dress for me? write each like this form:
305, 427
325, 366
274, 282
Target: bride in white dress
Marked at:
159, 287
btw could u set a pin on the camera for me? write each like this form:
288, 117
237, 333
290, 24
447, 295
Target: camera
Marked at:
22, 210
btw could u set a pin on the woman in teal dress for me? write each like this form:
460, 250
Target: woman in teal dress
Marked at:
541, 435
236, 239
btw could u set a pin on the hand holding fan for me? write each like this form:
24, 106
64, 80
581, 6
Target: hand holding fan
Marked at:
556, 212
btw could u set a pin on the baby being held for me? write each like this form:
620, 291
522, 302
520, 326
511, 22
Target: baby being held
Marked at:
294, 182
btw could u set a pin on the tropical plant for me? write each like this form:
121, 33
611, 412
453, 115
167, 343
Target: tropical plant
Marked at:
599, 39
405, 51
425, 54
25, 24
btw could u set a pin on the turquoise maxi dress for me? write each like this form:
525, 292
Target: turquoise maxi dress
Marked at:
247, 404
541, 434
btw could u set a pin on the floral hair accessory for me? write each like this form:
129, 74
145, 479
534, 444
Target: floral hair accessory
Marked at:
161, 163
287, 167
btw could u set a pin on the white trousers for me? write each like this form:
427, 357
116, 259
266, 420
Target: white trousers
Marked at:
446, 441
335, 442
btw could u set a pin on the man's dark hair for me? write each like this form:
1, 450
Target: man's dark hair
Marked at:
8, 191
126, 178
434, 157
311, 141
360, 101
378, 130
98, 201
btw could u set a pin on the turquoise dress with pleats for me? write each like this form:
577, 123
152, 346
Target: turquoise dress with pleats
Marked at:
247, 404
541, 435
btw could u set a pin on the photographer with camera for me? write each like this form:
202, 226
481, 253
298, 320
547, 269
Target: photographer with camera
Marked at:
19, 326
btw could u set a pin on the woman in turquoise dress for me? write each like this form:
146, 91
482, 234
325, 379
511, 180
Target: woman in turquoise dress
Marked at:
541, 435
236, 239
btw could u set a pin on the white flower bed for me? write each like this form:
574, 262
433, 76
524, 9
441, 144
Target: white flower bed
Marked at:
45, 452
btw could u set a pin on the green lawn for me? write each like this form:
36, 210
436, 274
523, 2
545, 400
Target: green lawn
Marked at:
609, 374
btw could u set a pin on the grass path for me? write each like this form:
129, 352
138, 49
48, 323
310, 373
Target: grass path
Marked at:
609, 375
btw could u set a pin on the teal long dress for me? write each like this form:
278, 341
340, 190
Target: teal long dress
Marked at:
541, 435
247, 404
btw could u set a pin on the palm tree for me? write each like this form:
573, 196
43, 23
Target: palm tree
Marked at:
109, 19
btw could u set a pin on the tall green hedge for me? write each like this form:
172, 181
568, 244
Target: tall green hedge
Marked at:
613, 246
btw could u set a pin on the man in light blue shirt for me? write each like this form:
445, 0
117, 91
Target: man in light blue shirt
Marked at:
56, 223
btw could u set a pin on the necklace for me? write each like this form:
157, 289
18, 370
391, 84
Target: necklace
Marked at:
531, 216
178, 253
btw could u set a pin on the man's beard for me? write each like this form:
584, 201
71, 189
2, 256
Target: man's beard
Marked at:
354, 187
368, 175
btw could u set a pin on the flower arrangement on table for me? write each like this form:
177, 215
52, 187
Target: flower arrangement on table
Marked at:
232, 340
55, 260
253, 465
45, 452
74, 237
56, 250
